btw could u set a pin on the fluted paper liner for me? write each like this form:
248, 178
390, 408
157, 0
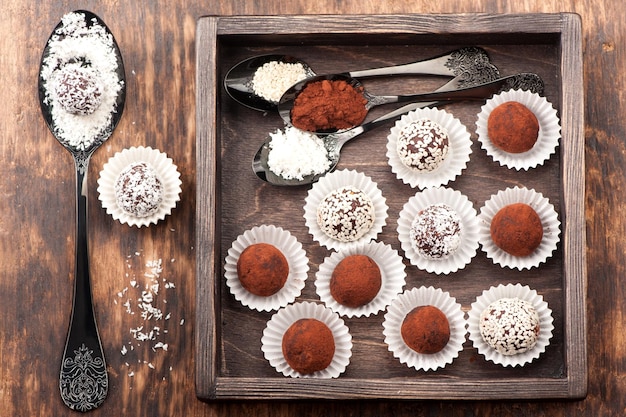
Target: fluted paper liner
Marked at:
392, 272
403, 305
452, 166
547, 140
296, 257
549, 221
469, 229
271, 342
522, 292
331, 182
166, 171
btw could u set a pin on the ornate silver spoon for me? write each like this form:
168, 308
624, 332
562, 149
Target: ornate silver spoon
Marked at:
334, 142
460, 62
83, 381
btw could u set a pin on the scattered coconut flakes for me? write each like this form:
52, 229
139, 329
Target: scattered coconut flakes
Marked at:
150, 302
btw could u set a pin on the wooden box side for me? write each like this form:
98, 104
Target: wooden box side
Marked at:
209, 383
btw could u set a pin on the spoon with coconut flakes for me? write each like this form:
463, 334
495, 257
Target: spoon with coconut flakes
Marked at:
254, 82
82, 91
334, 142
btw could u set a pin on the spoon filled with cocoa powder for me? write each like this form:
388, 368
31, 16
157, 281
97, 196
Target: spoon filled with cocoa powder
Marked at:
330, 103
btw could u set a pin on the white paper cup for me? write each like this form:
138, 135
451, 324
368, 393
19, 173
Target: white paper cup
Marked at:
510, 291
166, 172
402, 306
332, 182
549, 221
392, 273
271, 342
290, 248
469, 229
547, 140
459, 150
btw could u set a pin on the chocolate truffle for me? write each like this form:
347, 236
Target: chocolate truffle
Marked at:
346, 214
355, 281
78, 89
426, 329
512, 127
517, 229
423, 145
138, 190
510, 326
436, 232
308, 346
262, 269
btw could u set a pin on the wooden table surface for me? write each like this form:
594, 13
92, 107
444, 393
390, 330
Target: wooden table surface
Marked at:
157, 42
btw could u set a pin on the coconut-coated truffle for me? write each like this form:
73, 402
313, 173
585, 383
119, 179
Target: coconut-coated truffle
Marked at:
78, 89
423, 145
510, 326
346, 214
139, 190
435, 232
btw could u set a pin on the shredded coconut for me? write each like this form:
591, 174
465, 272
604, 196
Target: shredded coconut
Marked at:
90, 46
510, 326
149, 301
295, 154
273, 78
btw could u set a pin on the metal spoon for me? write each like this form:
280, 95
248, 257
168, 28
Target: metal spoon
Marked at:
83, 380
469, 61
334, 142
474, 92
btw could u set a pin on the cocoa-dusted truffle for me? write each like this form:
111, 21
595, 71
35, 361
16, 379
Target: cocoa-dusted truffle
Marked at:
423, 145
512, 127
510, 326
78, 89
436, 232
355, 281
138, 190
308, 346
426, 329
517, 229
262, 269
346, 214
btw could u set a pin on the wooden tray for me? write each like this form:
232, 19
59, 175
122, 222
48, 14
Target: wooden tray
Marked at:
230, 200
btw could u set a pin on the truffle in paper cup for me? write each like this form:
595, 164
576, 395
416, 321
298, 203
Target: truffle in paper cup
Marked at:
402, 306
271, 342
548, 137
468, 237
156, 162
392, 273
549, 221
455, 161
290, 248
332, 182
511, 291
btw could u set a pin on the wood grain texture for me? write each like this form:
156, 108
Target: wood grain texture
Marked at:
157, 39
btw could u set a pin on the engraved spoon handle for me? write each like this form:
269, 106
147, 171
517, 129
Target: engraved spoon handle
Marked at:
450, 64
83, 379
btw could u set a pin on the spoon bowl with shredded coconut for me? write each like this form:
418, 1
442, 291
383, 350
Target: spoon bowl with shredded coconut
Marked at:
259, 82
